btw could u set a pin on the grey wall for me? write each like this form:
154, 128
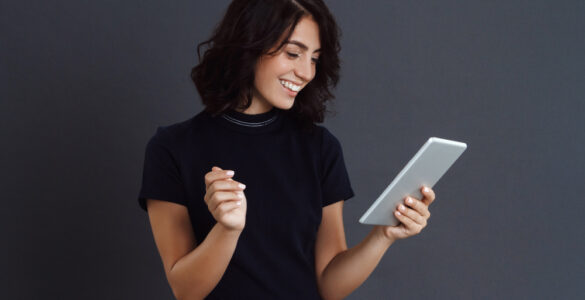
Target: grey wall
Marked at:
84, 84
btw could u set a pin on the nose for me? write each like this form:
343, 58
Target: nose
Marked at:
304, 69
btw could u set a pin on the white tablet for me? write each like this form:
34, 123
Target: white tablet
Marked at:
426, 168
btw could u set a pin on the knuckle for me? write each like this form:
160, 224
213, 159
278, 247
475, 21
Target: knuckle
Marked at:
413, 214
216, 185
223, 207
416, 205
212, 202
211, 190
220, 210
218, 197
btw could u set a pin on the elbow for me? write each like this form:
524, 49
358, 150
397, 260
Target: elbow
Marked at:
324, 296
329, 290
179, 293
328, 293
185, 292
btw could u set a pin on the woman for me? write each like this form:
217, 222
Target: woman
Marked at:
268, 223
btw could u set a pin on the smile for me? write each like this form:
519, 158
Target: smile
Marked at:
290, 86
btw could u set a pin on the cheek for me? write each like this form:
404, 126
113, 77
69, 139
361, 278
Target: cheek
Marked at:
269, 71
281, 66
273, 72
261, 78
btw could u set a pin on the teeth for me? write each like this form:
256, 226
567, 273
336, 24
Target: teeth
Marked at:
290, 86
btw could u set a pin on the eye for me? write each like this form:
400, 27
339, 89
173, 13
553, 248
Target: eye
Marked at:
294, 55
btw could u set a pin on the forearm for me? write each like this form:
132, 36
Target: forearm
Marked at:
196, 274
350, 268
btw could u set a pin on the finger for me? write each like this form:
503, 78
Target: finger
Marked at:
220, 197
429, 195
225, 185
412, 214
215, 168
420, 207
409, 224
227, 206
217, 175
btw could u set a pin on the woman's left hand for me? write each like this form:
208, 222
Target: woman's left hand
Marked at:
413, 216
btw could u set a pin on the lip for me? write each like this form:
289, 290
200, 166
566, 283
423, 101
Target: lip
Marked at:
288, 92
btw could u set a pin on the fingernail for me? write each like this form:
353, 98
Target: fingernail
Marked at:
242, 186
426, 189
230, 172
398, 213
409, 200
240, 195
239, 203
401, 207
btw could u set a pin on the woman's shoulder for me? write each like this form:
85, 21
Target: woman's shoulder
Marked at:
175, 132
325, 133
328, 139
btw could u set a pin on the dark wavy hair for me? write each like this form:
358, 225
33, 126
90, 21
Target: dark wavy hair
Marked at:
250, 28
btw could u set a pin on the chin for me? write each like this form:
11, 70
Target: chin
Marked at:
284, 106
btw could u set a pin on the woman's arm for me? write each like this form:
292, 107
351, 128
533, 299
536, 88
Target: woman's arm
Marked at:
192, 270
339, 270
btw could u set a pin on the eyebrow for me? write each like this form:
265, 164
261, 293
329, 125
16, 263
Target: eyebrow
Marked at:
303, 46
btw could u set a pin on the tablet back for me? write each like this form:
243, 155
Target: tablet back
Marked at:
426, 168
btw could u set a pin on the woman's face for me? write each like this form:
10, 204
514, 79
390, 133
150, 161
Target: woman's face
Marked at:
280, 77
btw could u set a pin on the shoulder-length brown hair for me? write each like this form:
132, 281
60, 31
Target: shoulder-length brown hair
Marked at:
249, 29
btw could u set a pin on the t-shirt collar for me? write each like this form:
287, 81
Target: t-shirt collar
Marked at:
249, 120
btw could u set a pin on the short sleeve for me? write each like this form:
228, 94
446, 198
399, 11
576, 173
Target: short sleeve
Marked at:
335, 183
161, 178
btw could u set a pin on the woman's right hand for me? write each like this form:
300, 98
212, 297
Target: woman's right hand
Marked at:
225, 199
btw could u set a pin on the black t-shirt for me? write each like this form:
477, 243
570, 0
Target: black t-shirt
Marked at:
290, 175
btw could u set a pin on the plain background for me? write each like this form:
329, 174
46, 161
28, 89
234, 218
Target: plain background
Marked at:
84, 85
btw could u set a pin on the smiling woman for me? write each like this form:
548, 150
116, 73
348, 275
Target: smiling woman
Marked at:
268, 223
280, 76
285, 40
